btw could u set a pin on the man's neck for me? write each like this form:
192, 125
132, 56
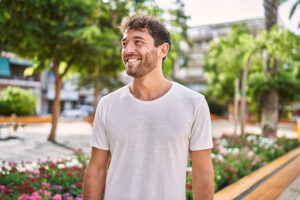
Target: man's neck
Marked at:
150, 87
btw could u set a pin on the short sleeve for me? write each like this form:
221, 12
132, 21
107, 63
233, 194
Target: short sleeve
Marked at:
99, 137
201, 136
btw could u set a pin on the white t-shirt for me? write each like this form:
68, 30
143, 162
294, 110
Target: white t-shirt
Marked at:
150, 141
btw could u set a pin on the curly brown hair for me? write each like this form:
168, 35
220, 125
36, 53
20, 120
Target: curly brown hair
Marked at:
155, 28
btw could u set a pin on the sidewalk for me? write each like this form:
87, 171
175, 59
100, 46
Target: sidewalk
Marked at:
32, 143
75, 134
292, 192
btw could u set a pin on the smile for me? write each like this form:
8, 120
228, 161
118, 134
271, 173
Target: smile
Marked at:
132, 60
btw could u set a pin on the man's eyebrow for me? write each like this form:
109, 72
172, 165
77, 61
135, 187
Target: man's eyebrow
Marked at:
138, 37
135, 37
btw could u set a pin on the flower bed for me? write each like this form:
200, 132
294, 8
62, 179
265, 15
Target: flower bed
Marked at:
57, 180
233, 158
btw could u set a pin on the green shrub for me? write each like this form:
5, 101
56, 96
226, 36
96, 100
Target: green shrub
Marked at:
217, 108
17, 100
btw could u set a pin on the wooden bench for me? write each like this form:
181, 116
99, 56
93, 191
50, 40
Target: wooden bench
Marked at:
15, 122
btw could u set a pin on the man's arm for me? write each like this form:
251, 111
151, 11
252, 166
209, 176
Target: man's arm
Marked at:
95, 175
202, 175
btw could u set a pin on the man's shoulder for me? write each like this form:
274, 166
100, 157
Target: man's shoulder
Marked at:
112, 96
188, 93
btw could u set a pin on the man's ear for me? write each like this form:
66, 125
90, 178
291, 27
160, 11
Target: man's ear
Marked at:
164, 49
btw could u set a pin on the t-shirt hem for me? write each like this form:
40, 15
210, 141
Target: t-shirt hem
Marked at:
100, 147
201, 148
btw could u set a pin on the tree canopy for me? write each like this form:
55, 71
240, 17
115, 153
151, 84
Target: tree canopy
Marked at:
227, 56
79, 35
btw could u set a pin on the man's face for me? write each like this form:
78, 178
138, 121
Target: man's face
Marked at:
139, 53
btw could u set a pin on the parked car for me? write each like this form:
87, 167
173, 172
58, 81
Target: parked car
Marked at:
88, 108
78, 111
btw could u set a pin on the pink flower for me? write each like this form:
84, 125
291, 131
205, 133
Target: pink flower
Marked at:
2, 188
57, 197
58, 187
246, 149
35, 194
35, 197
23, 197
234, 170
46, 184
47, 194
189, 186
69, 198
35, 171
222, 153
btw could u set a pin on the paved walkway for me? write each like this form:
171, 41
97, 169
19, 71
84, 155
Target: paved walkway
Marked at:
292, 192
74, 134
32, 143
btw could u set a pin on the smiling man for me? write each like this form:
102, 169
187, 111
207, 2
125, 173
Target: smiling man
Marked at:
149, 127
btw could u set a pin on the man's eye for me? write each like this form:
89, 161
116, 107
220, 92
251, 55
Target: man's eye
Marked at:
124, 45
138, 42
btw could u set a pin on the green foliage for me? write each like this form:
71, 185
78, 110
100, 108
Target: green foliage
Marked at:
106, 62
286, 83
226, 59
217, 108
48, 30
17, 100
103, 81
293, 9
178, 30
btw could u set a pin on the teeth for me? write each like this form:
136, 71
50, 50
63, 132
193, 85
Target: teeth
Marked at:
132, 60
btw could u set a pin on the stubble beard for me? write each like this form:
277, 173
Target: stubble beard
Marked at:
147, 64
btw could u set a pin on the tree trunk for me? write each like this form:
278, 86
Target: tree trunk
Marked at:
96, 95
96, 88
244, 110
269, 118
271, 10
56, 103
236, 105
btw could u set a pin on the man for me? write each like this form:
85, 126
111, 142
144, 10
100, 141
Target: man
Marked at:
148, 127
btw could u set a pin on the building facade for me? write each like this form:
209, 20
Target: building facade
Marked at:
12, 74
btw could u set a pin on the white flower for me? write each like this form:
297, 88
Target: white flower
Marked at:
73, 162
250, 154
60, 166
220, 158
235, 151
189, 169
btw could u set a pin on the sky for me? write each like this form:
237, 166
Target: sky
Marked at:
217, 11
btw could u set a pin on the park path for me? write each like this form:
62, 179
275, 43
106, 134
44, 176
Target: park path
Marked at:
75, 134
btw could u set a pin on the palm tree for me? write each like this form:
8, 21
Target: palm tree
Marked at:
292, 12
270, 115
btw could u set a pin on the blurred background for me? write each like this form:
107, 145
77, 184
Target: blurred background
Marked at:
242, 55
59, 57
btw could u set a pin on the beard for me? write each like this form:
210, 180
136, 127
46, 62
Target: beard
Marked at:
146, 64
